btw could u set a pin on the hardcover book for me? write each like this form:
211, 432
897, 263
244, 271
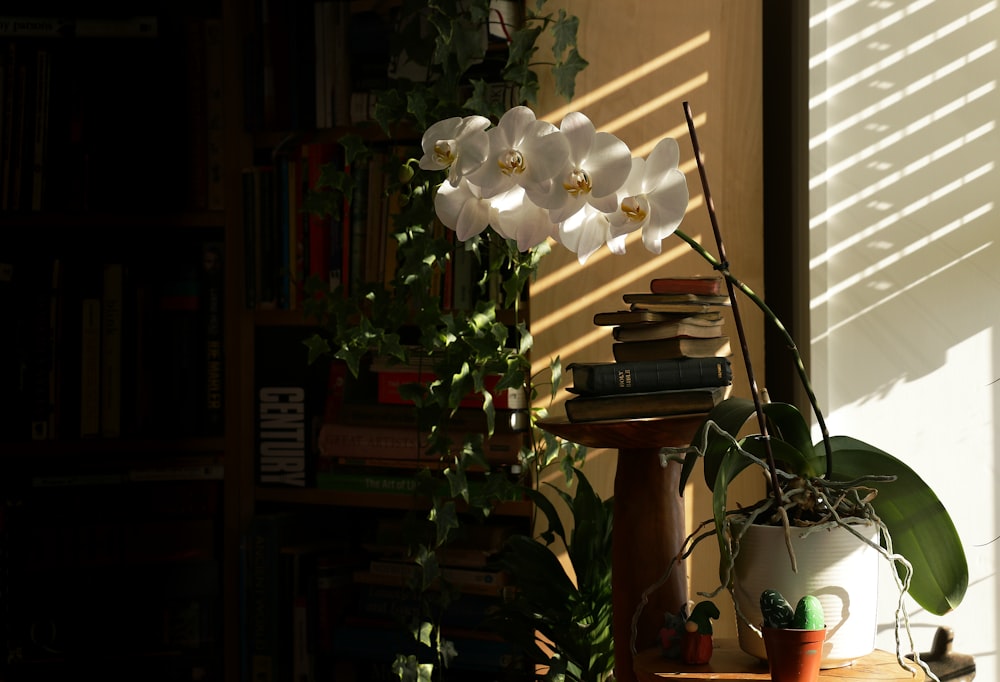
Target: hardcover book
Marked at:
643, 405
643, 299
600, 378
677, 347
289, 404
711, 285
643, 316
666, 330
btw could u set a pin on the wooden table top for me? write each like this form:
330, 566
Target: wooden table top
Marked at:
651, 432
729, 662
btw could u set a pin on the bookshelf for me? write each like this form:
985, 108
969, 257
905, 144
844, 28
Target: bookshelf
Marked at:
118, 422
291, 145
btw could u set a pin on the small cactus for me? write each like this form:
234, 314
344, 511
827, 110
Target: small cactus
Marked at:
778, 613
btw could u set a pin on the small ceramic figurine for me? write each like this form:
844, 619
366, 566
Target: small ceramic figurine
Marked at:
689, 637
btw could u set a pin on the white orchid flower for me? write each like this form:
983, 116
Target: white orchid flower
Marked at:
457, 144
513, 216
586, 231
524, 152
597, 166
655, 197
462, 209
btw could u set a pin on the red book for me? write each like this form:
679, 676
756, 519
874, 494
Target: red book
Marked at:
389, 382
711, 285
324, 238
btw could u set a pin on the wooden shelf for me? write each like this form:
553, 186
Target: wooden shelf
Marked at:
336, 498
729, 662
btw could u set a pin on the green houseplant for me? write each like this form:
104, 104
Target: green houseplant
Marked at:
563, 622
461, 73
519, 179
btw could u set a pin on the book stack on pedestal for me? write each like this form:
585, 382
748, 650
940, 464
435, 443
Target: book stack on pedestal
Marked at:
671, 355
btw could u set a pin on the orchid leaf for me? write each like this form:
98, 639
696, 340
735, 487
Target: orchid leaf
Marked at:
918, 523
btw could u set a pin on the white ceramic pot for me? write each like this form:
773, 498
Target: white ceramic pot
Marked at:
834, 565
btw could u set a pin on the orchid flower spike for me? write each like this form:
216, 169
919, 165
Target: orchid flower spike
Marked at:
597, 165
654, 198
523, 152
457, 144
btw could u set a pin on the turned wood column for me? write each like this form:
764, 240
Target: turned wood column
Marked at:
649, 522
648, 533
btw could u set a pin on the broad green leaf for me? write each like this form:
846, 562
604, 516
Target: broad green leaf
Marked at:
920, 526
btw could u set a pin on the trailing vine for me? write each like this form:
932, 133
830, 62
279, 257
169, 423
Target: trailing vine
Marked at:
464, 74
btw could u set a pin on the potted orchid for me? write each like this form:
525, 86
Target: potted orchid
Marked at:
532, 182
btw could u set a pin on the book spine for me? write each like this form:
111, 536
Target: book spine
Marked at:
264, 599
215, 114
250, 213
42, 85
42, 359
374, 443
281, 435
90, 368
289, 403
112, 313
661, 375
704, 286
390, 381
211, 311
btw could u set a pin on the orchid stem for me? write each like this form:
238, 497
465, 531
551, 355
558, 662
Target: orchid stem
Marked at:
773, 318
744, 347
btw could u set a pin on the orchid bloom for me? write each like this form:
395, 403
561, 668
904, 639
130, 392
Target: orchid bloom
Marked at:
523, 152
532, 181
462, 208
598, 164
457, 144
655, 196
513, 217
586, 231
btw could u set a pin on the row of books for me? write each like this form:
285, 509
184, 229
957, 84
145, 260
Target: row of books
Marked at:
305, 59
318, 426
296, 228
163, 554
57, 102
115, 348
317, 587
671, 354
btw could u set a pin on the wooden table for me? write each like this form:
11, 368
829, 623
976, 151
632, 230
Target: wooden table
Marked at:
729, 662
649, 526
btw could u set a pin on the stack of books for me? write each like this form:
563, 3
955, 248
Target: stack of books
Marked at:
671, 355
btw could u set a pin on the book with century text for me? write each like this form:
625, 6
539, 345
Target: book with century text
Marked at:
289, 402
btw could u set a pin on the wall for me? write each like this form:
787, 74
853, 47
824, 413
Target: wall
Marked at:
646, 59
904, 280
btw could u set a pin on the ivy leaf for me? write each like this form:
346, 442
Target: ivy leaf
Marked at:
564, 32
565, 73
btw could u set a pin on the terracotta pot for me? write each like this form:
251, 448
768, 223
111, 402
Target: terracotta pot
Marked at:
834, 565
794, 655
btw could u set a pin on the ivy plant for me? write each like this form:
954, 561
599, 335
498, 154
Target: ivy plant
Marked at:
461, 73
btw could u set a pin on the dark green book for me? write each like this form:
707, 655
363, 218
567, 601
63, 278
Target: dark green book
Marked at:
603, 378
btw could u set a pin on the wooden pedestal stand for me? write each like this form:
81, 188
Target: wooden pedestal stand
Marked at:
649, 526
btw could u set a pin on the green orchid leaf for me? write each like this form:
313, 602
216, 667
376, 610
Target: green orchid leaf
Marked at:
920, 526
